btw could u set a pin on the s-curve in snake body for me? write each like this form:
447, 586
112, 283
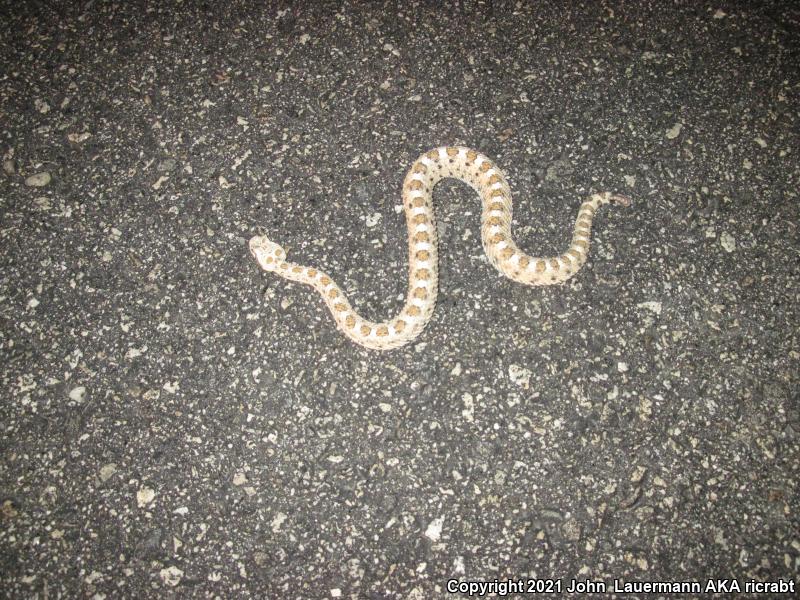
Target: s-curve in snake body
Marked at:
483, 176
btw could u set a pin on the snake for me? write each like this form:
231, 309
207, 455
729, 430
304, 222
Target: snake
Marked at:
490, 183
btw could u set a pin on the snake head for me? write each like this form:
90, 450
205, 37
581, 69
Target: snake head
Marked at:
267, 253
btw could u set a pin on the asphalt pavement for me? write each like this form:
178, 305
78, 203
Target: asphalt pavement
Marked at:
178, 423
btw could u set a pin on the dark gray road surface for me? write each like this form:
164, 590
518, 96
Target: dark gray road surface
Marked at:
177, 423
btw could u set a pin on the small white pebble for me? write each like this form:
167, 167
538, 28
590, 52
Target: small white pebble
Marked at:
77, 138
468, 412
135, 352
277, 521
106, 471
434, 530
674, 131
727, 241
145, 496
171, 576
38, 180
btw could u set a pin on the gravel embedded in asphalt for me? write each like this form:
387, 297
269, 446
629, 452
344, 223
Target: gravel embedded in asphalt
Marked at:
177, 421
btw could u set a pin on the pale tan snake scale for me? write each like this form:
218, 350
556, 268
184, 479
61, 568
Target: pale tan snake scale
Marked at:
481, 174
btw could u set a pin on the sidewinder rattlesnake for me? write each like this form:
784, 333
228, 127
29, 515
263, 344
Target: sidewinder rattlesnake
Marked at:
482, 175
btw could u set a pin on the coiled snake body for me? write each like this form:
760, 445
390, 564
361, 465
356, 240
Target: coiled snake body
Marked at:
481, 174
